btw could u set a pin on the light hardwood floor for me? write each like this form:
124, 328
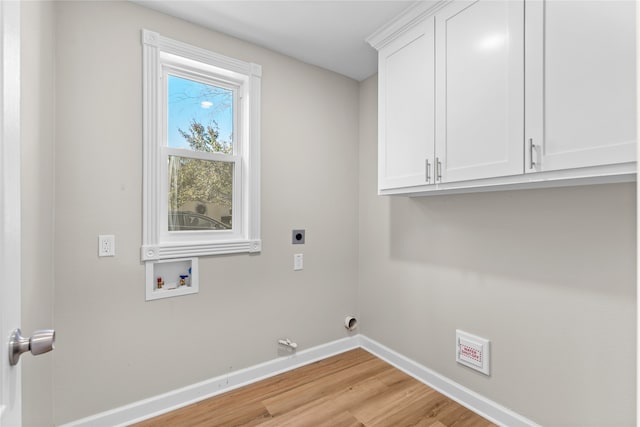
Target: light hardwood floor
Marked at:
348, 390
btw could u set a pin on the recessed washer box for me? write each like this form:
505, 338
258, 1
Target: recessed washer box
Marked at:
171, 278
473, 351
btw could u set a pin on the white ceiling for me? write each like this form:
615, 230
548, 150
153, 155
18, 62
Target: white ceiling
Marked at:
329, 34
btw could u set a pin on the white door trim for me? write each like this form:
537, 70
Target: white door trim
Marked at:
10, 376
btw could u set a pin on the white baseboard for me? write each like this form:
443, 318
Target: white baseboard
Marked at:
157, 405
468, 398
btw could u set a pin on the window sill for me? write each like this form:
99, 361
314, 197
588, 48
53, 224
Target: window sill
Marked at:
175, 250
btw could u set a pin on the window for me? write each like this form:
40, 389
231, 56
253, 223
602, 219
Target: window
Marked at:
201, 151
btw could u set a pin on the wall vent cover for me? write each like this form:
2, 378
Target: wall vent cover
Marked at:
472, 351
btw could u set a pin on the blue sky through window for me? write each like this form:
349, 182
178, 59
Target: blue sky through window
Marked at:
189, 100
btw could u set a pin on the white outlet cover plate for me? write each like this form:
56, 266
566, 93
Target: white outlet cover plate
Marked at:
106, 245
473, 351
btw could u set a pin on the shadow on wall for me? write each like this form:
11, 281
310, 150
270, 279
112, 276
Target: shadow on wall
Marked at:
575, 236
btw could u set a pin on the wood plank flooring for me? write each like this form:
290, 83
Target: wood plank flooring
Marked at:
348, 390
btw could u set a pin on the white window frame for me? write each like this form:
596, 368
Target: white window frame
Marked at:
161, 55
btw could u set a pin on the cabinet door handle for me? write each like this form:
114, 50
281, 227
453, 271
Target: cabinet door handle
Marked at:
427, 167
438, 169
532, 163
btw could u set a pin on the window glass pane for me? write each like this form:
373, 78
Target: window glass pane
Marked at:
200, 194
200, 116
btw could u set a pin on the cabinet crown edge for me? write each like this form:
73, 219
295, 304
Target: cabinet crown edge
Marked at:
408, 18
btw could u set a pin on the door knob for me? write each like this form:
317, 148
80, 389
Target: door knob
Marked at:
40, 342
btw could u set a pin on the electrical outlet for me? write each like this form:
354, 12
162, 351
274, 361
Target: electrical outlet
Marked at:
297, 237
106, 245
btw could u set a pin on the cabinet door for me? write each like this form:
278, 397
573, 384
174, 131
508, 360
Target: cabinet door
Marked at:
480, 98
406, 109
581, 90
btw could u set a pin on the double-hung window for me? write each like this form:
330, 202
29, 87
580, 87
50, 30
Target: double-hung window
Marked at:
201, 151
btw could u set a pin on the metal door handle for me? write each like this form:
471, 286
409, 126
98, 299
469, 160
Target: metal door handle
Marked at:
438, 169
532, 163
40, 342
427, 166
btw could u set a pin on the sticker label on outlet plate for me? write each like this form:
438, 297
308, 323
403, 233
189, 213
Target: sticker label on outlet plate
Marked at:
470, 353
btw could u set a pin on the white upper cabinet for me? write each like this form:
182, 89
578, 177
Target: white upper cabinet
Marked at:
406, 109
581, 84
478, 95
480, 81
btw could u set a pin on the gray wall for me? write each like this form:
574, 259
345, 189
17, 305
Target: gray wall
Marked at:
113, 347
547, 275
37, 203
